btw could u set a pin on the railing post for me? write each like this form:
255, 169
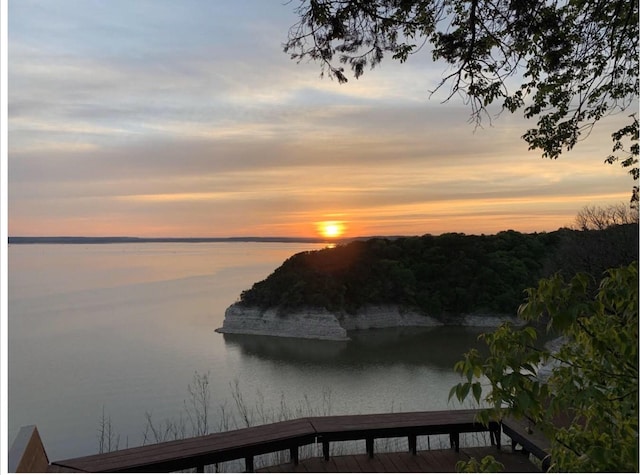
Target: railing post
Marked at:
293, 453
248, 464
413, 444
370, 447
454, 438
325, 449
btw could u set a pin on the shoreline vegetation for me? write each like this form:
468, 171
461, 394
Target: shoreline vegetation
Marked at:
450, 279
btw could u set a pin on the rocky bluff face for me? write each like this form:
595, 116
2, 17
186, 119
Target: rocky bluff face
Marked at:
308, 323
321, 324
317, 323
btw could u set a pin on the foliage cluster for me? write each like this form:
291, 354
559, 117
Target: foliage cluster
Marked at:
437, 275
588, 406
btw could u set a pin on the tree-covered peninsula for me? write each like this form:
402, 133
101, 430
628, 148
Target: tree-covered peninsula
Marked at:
439, 276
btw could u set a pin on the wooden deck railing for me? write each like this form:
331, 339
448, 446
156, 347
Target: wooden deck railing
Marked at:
197, 452
27, 453
524, 433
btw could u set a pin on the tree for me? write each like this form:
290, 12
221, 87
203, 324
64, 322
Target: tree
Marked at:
599, 218
594, 381
605, 237
565, 63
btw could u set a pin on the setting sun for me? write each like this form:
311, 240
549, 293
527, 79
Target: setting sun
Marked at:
331, 229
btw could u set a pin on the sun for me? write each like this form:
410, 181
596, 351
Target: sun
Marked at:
331, 229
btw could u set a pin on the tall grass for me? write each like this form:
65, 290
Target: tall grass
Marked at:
108, 440
197, 416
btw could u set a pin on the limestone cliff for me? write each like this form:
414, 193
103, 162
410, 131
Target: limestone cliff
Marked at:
317, 323
308, 323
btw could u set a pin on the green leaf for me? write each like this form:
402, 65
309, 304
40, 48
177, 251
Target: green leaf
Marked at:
454, 390
477, 391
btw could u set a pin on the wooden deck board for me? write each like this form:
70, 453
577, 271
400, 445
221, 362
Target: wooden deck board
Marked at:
514, 462
372, 464
393, 420
427, 461
400, 463
413, 463
314, 465
351, 464
387, 463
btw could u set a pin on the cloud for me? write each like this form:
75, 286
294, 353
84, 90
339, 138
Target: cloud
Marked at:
186, 118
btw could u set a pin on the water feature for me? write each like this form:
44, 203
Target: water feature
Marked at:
122, 328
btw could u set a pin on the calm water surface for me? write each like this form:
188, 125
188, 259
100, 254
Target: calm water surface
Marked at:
123, 327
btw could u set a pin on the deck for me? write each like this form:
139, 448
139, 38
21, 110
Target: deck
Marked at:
290, 436
427, 461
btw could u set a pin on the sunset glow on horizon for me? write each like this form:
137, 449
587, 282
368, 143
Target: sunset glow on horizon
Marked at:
118, 129
331, 229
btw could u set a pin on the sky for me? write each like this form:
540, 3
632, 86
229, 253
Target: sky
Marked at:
166, 118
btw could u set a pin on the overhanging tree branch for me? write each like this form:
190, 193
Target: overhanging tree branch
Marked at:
565, 63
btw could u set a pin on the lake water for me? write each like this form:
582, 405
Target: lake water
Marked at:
122, 328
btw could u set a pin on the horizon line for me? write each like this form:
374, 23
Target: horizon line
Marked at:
70, 239
87, 239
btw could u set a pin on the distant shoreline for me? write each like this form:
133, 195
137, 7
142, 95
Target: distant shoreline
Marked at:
125, 239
